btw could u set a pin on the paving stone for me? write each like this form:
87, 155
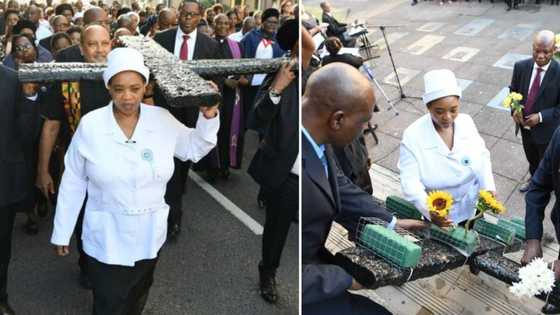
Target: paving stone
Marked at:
489, 140
509, 59
508, 160
430, 27
391, 161
510, 134
405, 75
470, 108
461, 54
519, 32
480, 93
497, 101
387, 144
492, 122
474, 27
396, 125
504, 187
424, 44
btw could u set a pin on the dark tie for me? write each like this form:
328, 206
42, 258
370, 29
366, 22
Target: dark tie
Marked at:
325, 164
533, 92
184, 54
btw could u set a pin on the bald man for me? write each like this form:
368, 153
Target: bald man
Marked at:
64, 109
167, 18
334, 116
541, 99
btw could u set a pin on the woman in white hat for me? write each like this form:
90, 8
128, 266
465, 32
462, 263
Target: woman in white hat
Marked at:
443, 150
122, 156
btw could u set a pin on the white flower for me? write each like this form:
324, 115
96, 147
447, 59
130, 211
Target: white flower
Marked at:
536, 278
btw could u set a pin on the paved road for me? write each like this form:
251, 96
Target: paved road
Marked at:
212, 269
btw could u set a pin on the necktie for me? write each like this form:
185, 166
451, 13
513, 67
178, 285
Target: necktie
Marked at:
184, 54
266, 42
533, 92
325, 164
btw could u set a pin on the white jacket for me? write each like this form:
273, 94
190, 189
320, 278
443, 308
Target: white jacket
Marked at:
126, 215
427, 164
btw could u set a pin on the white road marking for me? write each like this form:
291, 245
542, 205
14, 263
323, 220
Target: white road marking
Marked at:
509, 60
405, 75
424, 44
253, 225
474, 27
430, 27
461, 54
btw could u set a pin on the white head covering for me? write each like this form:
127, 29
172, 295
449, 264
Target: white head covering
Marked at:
438, 84
125, 59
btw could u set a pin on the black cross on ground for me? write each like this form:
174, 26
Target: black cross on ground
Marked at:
179, 81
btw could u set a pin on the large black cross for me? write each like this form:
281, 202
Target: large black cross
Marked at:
179, 81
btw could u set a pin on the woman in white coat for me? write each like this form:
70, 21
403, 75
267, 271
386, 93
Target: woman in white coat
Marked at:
122, 156
443, 150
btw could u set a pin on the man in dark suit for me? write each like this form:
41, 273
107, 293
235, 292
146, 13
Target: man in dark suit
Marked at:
333, 46
334, 116
17, 111
336, 28
275, 166
545, 180
537, 79
187, 43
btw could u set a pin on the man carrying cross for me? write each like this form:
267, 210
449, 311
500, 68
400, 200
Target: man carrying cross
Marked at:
186, 43
68, 102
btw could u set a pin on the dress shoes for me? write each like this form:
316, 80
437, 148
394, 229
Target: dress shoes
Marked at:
267, 285
5, 309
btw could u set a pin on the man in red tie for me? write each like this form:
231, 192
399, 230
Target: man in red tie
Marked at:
187, 43
538, 80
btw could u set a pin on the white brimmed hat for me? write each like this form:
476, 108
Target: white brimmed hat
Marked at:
125, 59
438, 84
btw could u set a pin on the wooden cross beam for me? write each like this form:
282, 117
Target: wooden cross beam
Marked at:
179, 81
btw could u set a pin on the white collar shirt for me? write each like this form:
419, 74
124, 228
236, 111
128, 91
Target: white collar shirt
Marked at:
191, 42
426, 164
125, 218
534, 74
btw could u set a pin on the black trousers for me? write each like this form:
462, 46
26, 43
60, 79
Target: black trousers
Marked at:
533, 151
7, 218
120, 290
281, 210
175, 189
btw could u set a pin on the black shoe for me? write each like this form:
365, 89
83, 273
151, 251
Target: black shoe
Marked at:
525, 187
5, 309
267, 285
550, 309
173, 232
84, 281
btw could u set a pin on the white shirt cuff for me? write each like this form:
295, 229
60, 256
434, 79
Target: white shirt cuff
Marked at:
540, 118
392, 224
33, 97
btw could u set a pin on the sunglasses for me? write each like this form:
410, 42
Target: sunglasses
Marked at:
22, 48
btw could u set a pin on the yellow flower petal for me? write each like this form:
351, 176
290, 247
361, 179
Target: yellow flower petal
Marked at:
440, 202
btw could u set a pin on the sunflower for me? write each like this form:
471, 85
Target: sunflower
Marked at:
440, 202
487, 202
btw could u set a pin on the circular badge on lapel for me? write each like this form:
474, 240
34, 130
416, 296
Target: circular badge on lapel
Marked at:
147, 155
466, 161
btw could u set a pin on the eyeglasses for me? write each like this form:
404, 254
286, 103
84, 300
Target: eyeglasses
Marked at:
191, 14
22, 48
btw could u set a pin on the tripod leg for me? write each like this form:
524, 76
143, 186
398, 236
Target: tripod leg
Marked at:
382, 28
391, 105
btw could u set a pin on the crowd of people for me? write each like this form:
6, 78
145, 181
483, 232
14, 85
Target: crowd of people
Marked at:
54, 148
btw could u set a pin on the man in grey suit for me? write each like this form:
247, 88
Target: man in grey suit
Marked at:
334, 116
